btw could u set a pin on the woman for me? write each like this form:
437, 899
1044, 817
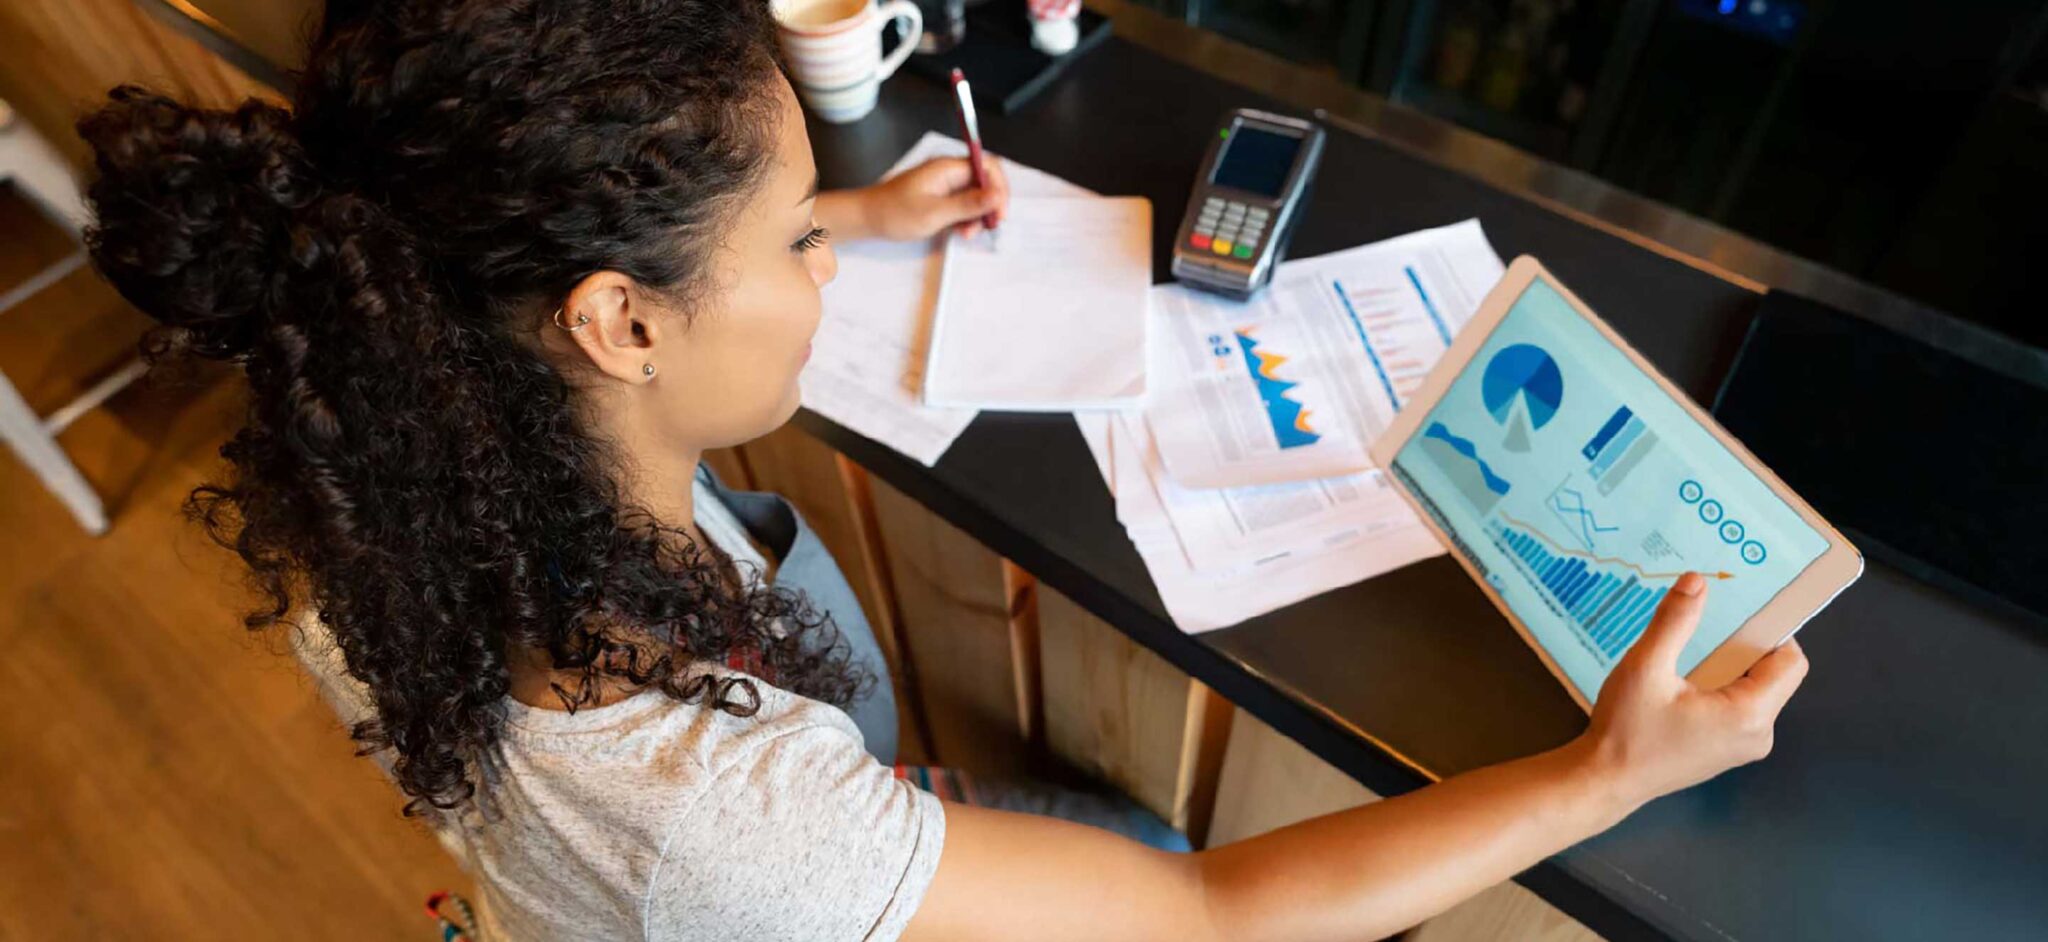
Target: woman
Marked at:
500, 278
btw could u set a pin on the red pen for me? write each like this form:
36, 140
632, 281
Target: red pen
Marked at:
963, 105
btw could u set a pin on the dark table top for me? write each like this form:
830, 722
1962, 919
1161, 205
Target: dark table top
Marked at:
1908, 796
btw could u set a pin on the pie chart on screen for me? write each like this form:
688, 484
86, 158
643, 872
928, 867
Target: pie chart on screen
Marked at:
1522, 375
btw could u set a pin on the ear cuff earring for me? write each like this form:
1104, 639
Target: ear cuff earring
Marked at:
583, 320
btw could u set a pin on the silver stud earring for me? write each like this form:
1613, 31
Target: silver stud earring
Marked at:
647, 369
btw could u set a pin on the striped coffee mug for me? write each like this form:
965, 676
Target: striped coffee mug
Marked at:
834, 50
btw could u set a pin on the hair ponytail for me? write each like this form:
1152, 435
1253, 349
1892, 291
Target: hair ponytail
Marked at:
195, 209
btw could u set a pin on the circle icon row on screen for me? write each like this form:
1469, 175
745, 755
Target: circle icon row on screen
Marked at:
1713, 514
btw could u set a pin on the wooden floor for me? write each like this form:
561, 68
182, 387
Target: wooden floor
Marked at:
163, 775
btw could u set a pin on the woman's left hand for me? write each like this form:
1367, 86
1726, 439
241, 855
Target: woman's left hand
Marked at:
927, 199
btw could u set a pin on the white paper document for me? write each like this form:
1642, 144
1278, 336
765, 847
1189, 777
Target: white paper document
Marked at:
1225, 527
1048, 316
1294, 384
1321, 542
867, 360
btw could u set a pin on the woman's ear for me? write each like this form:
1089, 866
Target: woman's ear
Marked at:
614, 323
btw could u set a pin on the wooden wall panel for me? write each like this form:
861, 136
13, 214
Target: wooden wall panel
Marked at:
1269, 782
1205, 740
58, 58
1504, 913
1020, 594
1118, 711
955, 630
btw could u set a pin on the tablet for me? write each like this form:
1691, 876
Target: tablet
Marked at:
1576, 484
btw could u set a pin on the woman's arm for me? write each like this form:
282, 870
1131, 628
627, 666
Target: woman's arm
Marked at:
1362, 874
1378, 869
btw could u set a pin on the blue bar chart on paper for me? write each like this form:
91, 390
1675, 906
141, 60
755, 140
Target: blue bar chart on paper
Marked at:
1610, 600
1401, 328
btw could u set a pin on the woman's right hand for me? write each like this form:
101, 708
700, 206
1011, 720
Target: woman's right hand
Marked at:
1655, 732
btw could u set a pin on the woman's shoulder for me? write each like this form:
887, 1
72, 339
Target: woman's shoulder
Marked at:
733, 719
646, 786
745, 717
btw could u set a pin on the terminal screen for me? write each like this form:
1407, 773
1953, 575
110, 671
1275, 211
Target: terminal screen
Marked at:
1256, 161
1581, 491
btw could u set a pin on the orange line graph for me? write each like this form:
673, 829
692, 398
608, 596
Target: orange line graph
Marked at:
1609, 560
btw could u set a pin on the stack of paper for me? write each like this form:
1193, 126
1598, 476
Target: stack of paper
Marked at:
1295, 383
867, 360
1260, 548
1268, 406
1049, 314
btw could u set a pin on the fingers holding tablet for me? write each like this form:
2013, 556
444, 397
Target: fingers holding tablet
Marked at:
1654, 731
1678, 616
1769, 685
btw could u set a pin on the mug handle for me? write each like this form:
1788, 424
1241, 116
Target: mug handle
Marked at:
896, 11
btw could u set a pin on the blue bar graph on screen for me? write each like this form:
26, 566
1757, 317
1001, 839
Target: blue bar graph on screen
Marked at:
1607, 432
1611, 604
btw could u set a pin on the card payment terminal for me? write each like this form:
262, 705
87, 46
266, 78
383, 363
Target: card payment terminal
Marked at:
1246, 202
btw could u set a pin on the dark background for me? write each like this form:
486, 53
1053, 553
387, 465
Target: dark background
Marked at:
1903, 143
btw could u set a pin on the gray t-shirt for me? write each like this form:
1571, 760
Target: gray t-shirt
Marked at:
658, 820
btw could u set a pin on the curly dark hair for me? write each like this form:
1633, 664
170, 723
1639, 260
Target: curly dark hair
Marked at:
377, 260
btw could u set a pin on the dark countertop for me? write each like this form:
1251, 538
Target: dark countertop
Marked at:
1906, 796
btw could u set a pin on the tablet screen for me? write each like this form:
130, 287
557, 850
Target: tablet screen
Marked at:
1581, 491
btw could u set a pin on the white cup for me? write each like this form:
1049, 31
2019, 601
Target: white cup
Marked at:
1053, 27
834, 49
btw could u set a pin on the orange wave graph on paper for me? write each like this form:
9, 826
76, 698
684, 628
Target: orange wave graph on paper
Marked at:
1269, 363
1609, 560
1289, 418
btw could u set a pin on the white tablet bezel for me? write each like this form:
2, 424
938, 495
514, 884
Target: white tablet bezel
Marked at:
1808, 593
